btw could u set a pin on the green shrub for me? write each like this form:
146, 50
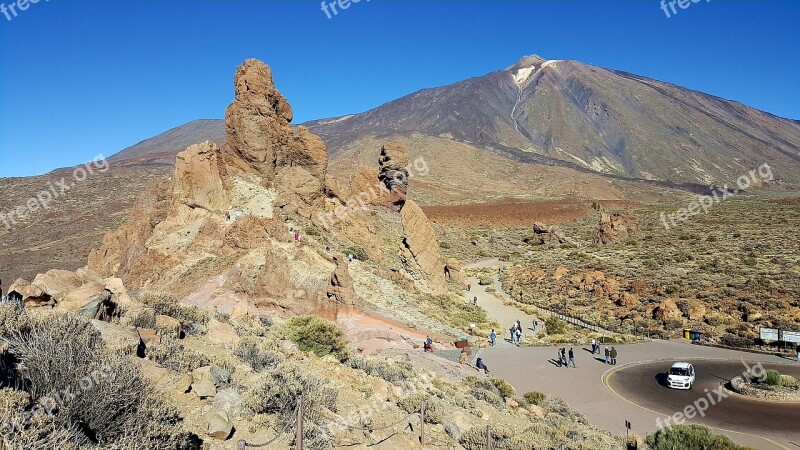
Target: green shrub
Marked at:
485, 281
491, 390
554, 325
771, 378
434, 409
311, 231
358, 252
689, 437
317, 335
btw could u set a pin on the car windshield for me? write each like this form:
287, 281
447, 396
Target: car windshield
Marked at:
679, 371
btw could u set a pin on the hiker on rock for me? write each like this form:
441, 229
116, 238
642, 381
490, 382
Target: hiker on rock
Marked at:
613, 356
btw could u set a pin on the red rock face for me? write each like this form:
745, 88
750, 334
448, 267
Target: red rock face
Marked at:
616, 227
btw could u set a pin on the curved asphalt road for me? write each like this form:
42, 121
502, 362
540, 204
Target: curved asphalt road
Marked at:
644, 385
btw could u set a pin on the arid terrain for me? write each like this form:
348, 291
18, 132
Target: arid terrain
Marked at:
247, 272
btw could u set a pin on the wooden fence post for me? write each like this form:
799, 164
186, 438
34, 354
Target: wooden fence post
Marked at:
422, 425
299, 426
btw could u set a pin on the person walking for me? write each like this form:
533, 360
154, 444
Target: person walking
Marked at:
798, 353
475, 301
518, 336
564, 356
594, 346
469, 286
492, 337
572, 358
608, 356
613, 356
558, 356
462, 358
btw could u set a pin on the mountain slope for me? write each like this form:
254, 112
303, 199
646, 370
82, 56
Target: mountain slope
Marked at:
168, 144
571, 113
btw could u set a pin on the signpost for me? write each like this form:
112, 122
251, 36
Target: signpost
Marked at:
769, 334
791, 336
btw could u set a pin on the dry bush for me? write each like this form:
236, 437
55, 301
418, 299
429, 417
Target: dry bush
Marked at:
317, 335
258, 354
102, 399
395, 373
491, 390
167, 305
173, 355
434, 408
278, 390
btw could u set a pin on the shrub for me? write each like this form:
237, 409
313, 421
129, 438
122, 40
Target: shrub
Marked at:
444, 245
254, 352
689, 437
534, 398
166, 305
771, 378
789, 381
311, 231
358, 252
491, 390
109, 402
278, 390
172, 355
316, 335
392, 372
554, 325
434, 409
485, 281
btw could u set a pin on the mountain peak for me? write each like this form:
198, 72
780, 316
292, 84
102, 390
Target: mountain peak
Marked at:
527, 61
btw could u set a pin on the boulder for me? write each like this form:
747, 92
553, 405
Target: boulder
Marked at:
230, 401
203, 383
119, 339
667, 310
168, 326
58, 283
149, 336
119, 295
217, 424
548, 235
90, 301
33, 296
221, 333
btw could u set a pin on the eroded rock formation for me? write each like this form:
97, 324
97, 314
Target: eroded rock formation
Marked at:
420, 250
616, 227
393, 174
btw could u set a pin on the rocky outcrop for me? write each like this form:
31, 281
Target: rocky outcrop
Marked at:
340, 289
261, 139
31, 295
616, 227
199, 175
393, 163
89, 301
548, 235
420, 250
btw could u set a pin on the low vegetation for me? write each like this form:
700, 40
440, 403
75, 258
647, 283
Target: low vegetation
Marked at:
690, 437
316, 335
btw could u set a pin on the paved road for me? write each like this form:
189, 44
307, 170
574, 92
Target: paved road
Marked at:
505, 315
532, 369
645, 385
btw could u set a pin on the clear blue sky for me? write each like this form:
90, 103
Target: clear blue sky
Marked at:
80, 77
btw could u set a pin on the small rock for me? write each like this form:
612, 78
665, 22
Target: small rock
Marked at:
168, 326
217, 424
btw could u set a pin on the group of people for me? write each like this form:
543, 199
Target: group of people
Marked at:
611, 356
562, 356
516, 332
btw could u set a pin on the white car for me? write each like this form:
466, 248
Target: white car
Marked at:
681, 376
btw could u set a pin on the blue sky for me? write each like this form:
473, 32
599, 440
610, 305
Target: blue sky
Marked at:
80, 77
